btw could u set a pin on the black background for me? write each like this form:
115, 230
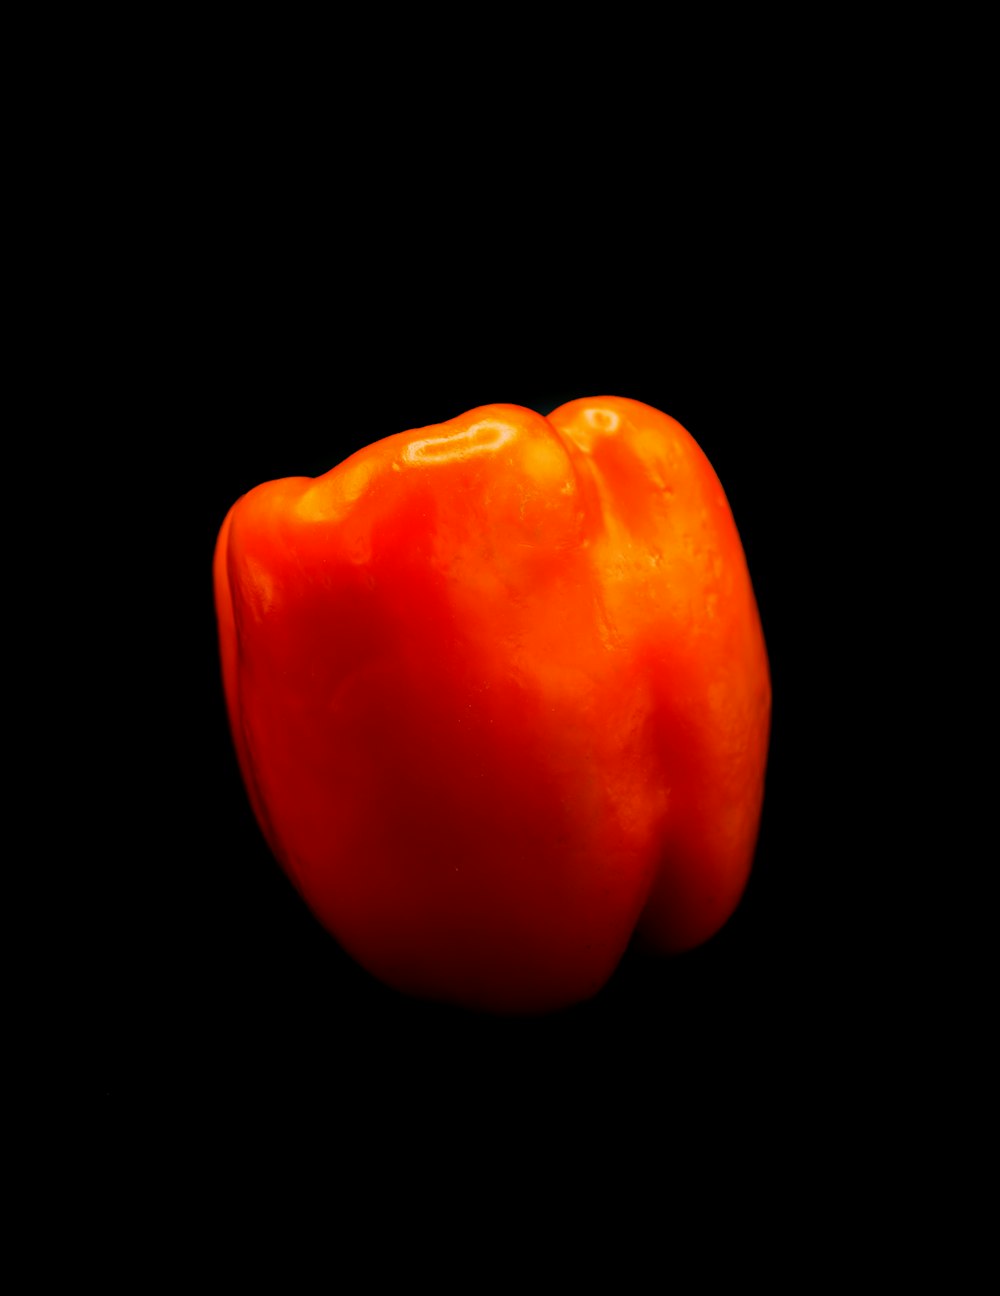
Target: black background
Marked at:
245, 254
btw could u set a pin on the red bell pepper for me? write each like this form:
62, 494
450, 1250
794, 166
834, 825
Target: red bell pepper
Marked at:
500, 697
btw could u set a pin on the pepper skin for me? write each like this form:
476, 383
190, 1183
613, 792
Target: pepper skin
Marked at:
500, 697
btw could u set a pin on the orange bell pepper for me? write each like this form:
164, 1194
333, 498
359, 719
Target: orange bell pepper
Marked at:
500, 697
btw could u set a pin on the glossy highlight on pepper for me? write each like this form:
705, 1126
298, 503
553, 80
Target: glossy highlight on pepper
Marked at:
500, 697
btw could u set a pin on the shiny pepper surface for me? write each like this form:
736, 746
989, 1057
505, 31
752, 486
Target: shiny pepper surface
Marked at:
500, 697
